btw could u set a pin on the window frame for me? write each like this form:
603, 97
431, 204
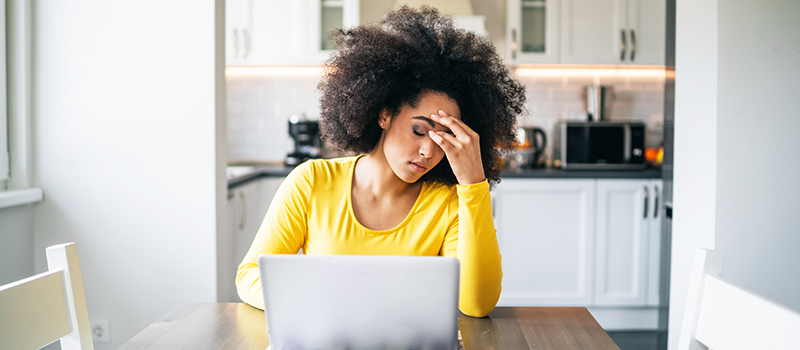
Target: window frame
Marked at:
5, 165
16, 187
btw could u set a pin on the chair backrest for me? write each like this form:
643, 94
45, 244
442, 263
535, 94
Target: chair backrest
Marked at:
722, 316
41, 309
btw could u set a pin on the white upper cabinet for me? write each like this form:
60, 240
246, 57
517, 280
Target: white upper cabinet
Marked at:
586, 31
613, 31
532, 31
647, 21
284, 33
329, 15
264, 32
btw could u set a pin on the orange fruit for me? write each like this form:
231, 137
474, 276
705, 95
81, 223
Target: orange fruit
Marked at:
651, 154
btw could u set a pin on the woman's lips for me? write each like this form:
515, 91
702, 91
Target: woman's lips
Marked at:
417, 167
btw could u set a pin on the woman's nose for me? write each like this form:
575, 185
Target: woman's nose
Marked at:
427, 147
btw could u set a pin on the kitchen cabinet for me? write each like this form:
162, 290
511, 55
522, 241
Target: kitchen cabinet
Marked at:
654, 243
263, 32
582, 242
284, 33
619, 32
628, 232
532, 31
546, 237
328, 15
613, 31
246, 206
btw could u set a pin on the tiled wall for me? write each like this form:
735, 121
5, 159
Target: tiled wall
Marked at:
259, 108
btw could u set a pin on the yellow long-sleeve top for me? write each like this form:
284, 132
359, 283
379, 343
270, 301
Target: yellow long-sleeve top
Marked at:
312, 211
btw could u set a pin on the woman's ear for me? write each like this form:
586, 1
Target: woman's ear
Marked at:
385, 118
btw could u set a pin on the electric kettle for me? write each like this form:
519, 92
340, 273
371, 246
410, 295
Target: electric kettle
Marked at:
532, 143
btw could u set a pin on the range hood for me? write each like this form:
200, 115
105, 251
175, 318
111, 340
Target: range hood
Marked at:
463, 15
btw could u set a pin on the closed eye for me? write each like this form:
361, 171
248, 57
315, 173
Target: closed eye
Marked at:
417, 131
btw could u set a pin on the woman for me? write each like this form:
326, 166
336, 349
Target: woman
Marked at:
426, 106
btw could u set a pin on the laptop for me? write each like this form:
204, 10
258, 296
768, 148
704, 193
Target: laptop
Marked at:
360, 302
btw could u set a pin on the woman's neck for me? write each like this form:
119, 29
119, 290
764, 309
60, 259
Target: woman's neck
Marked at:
375, 177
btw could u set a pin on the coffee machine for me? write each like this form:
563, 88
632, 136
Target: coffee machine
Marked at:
307, 141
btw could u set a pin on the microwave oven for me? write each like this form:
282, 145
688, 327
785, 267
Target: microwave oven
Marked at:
600, 145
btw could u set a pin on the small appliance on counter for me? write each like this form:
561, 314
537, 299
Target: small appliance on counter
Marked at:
529, 153
307, 142
600, 145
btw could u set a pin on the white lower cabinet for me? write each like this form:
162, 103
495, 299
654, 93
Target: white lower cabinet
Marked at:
622, 242
628, 242
546, 236
253, 199
582, 242
247, 204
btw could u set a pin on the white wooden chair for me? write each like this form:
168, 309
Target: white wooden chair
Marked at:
722, 316
41, 309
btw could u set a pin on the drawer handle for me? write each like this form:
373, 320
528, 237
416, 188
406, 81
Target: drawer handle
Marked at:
622, 45
646, 200
633, 45
244, 210
655, 204
246, 43
235, 42
513, 44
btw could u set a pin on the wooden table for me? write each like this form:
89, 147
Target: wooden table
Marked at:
239, 326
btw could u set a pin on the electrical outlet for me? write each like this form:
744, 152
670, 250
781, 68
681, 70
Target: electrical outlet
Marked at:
99, 328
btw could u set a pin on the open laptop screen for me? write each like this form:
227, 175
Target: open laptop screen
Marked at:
360, 302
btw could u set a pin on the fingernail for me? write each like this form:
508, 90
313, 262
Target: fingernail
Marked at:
430, 132
434, 116
441, 112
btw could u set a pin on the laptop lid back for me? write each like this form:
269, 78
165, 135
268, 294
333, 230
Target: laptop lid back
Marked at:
360, 302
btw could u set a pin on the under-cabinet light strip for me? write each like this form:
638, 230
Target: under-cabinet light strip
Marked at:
274, 71
613, 71
590, 72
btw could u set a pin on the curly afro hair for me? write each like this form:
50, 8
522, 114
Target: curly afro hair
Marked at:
413, 52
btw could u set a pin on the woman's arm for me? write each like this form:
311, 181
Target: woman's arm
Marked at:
473, 241
283, 231
474, 237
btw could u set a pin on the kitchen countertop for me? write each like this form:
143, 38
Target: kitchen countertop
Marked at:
239, 175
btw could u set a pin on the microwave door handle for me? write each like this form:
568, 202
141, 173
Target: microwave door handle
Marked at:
627, 142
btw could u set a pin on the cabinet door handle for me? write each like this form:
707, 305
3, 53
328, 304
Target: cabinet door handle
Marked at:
513, 43
235, 42
633, 45
244, 210
646, 200
623, 45
655, 203
245, 43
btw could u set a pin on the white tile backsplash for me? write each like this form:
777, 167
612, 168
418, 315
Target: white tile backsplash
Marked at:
259, 108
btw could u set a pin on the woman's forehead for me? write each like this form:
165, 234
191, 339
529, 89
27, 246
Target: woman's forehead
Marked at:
431, 102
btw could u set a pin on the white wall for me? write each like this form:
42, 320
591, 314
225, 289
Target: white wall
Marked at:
694, 176
758, 167
16, 243
736, 116
127, 102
